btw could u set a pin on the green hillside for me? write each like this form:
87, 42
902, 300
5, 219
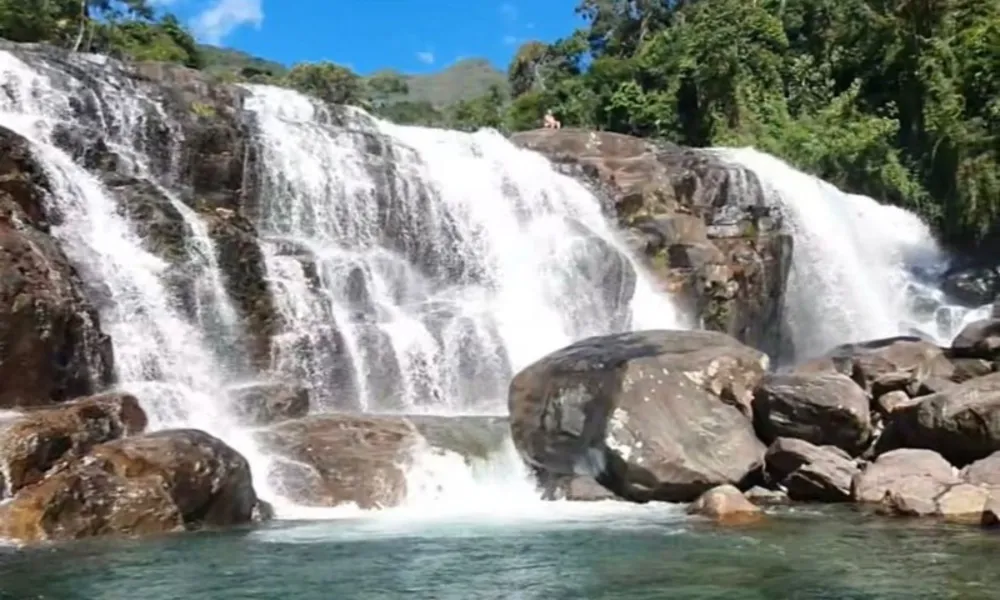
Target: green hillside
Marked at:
466, 79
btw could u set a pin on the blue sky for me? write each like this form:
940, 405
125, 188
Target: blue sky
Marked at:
414, 36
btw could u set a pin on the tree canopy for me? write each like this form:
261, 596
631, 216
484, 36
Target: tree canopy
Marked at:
896, 99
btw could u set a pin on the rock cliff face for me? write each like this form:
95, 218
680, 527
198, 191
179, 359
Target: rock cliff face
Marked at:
51, 344
704, 227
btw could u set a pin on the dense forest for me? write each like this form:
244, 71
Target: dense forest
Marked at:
896, 99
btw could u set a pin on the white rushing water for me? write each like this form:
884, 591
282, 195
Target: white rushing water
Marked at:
165, 359
432, 264
420, 268
860, 270
414, 270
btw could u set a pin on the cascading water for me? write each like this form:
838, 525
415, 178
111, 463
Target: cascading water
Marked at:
414, 270
161, 356
417, 269
860, 270
433, 263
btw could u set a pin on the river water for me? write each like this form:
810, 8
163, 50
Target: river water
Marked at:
597, 551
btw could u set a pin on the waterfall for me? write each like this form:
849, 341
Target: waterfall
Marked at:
420, 268
412, 270
167, 360
860, 270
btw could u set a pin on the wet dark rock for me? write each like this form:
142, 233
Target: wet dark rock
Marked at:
824, 409
653, 415
269, 402
51, 344
809, 472
245, 279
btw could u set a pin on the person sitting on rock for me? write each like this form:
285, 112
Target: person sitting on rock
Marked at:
551, 122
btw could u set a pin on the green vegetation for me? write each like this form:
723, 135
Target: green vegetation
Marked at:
125, 28
897, 99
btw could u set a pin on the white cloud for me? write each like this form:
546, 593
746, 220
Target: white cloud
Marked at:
426, 57
510, 40
509, 11
222, 18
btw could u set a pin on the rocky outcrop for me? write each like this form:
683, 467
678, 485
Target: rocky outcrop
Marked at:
165, 481
333, 459
703, 226
654, 415
51, 344
33, 442
824, 409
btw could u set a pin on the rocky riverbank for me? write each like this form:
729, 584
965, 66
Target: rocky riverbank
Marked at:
898, 426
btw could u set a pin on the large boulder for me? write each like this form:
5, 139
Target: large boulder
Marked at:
652, 415
703, 226
979, 339
51, 344
165, 481
809, 472
34, 441
333, 459
984, 472
823, 408
905, 481
962, 423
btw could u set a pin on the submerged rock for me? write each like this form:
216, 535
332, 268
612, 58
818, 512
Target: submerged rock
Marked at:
333, 459
652, 415
165, 481
726, 505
